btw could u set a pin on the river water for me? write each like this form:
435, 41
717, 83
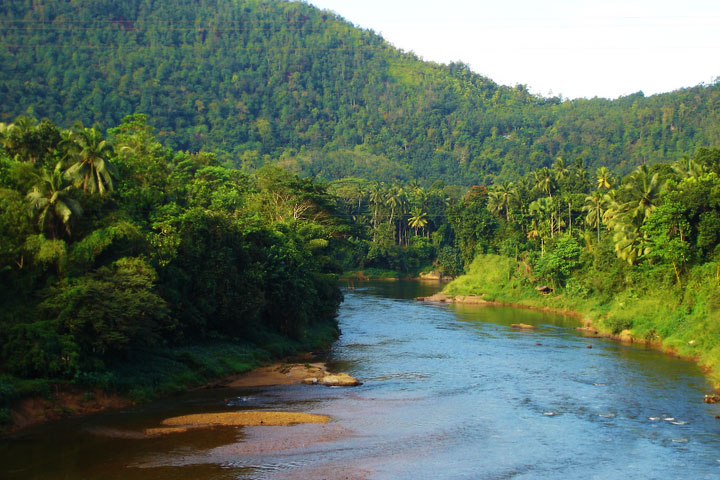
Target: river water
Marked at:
451, 392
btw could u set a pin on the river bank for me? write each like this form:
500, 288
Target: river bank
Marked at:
677, 321
74, 401
374, 274
589, 326
151, 375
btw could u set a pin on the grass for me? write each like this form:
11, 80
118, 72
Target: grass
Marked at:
684, 319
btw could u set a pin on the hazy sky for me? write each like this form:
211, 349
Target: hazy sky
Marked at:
576, 48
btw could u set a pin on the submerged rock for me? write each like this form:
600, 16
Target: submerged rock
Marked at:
438, 297
523, 326
340, 380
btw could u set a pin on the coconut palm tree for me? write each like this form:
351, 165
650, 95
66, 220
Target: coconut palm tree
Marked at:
643, 191
501, 198
89, 154
604, 178
594, 206
628, 209
542, 210
561, 169
544, 181
376, 195
689, 168
51, 202
418, 219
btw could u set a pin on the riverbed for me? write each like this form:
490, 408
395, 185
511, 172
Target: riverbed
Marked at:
450, 391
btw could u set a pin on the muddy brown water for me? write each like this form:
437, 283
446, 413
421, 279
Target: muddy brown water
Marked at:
450, 391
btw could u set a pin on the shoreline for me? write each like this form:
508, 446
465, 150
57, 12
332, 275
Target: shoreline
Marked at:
589, 326
360, 276
74, 402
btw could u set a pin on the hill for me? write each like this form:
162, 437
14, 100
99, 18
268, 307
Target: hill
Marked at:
283, 82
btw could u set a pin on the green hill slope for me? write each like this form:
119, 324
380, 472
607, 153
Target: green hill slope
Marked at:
274, 81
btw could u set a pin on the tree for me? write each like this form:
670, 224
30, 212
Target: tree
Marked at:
418, 219
605, 179
594, 206
559, 261
639, 196
90, 157
501, 198
51, 201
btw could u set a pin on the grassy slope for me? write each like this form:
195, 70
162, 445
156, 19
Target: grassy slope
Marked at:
681, 319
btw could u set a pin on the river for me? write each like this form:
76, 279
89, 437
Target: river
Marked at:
451, 392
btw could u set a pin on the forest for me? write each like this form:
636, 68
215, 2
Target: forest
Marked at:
129, 266
259, 82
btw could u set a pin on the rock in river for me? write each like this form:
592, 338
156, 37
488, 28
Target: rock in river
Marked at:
523, 326
340, 380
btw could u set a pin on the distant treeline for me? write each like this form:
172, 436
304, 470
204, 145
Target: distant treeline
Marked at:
260, 82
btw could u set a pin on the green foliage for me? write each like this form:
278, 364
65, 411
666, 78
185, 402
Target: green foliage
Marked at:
561, 258
473, 225
170, 257
38, 349
449, 261
110, 310
307, 90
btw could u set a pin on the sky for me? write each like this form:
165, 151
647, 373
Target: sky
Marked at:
572, 48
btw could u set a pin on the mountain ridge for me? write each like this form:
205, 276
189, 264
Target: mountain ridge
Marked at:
262, 82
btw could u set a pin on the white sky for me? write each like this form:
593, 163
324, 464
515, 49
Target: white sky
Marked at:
573, 48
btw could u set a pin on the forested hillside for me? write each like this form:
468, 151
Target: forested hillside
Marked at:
263, 82
132, 267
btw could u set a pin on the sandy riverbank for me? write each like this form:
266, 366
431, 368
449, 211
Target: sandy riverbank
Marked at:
73, 401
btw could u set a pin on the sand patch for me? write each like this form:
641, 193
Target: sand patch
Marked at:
249, 418
291, 374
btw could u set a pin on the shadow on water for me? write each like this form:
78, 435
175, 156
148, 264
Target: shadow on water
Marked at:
450, 391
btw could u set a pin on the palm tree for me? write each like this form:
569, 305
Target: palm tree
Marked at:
501, 198
561, 169
594, 207
418, 219
544, 222
628, 210
91, 167
644, 192
604, 178
50, 200
376, 195
689, 168
544, 181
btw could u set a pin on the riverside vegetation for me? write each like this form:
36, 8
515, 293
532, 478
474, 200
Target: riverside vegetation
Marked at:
638, 256
133, 268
